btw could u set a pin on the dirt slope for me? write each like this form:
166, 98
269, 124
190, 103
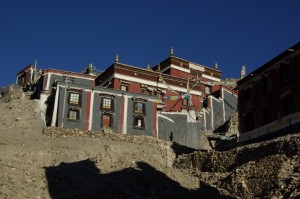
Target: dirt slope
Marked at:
40, 162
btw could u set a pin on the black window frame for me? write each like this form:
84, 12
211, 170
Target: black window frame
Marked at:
77, 114
288, 105
143, 112
112, 104
268, 84
135, 122
79, 98
285, 74
267, 114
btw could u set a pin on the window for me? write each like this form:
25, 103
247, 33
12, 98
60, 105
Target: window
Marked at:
285, 74
207, 90
138, 122
146, 91
249, 93
267, 114
124, 86
139, 113
185, 102
185, 99
205, 103
73, 114
159, 95
288, 105
74, 98
107, 104
139, 107
267, 83
249, 121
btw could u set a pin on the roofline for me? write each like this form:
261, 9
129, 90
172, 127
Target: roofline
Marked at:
188, 62
68, 72
277, 58
26, 68
184, 80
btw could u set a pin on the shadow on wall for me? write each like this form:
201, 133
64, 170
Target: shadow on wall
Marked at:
49, 111
84, 180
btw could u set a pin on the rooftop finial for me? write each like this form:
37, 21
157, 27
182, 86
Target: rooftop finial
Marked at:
117, 58
243, 72
90, 66
35, 64
158, 68
216, 65
171, 52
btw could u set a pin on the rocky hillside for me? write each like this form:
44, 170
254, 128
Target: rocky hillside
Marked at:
41, 162
263, 170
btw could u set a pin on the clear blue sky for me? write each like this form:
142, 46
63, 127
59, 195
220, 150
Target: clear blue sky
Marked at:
69, 34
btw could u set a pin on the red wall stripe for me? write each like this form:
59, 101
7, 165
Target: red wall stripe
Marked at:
87, 111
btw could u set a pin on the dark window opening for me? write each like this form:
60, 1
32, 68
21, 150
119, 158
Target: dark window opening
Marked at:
249, 93
138, 122
288, 105
205, 103
267, 114
285, 74
249, 121
267, 83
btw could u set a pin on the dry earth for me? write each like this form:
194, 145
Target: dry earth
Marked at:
40, 162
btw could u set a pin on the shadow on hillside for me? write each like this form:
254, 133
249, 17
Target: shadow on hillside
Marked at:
84, 180
181, 149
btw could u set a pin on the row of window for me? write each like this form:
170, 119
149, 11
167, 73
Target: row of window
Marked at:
107, 103
107, 119
285, 75
287, 107
160, 94
107, 108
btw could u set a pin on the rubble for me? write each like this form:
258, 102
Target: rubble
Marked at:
268, 169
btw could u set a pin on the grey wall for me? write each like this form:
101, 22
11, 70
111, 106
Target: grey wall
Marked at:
77, 80
218, 117
148, 120
183, 133
63, 115
208, 121
230, 104
97, 113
